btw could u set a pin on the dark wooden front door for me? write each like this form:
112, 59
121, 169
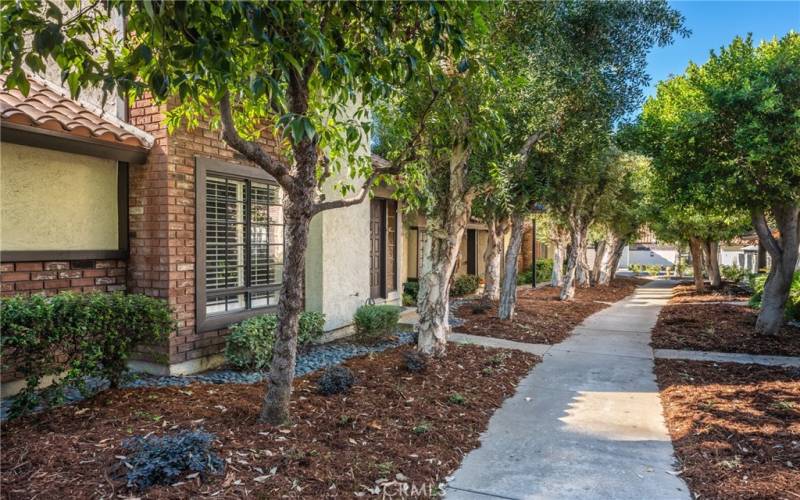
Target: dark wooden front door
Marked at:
376, 250
472, 251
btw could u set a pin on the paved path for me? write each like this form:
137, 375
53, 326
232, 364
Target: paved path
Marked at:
586, 422
729, 357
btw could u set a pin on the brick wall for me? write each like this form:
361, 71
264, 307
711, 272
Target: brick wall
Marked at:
162, 229
49, 278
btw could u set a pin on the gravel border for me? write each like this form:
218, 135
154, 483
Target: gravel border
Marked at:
316, 357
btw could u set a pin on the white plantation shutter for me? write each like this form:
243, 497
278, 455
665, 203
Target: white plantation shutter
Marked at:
244, 244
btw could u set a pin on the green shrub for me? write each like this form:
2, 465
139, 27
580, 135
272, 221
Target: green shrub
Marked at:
71, 336
411, 288
653, 269
249, 344
544, 271
634, 268
409, 301
734, 273
757, 283
310, 327
464, 284
374, 322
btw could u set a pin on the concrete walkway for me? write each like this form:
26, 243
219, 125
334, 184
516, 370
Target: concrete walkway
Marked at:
586, 422
728, 357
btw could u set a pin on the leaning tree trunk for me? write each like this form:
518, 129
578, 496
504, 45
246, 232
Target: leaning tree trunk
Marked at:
696, 248
600, 259
784, 253
616, 255
508, 295
711, 253
577, 237
441, 242
492, 258
609, 263
281, 371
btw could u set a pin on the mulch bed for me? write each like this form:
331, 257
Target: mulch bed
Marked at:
393, 427
720, 328
540, 317
735, 428
728, 292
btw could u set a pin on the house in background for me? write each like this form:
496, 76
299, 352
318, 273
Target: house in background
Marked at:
105, 200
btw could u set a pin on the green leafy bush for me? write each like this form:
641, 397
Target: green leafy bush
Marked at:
653, 269
464, 284
544, 271
374, 322
634, 268
250, 342
411, 288
757, 283
71, 336
734, 273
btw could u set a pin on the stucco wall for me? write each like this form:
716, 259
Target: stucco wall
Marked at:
337, 264
51, 200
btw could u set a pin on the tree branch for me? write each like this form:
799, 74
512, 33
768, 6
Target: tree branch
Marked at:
251, 150
765, 234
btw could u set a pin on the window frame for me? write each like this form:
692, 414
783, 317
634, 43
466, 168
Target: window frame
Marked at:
205, 167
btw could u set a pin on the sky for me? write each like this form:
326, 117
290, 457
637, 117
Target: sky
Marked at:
715, 24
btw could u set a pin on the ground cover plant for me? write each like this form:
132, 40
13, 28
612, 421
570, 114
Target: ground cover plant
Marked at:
541, 317
735, 427
709, 322
393, 428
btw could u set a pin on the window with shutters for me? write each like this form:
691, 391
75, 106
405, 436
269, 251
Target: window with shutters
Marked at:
240, 243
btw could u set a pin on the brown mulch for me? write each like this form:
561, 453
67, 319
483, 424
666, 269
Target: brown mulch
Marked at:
729, 292
735, 427
720, 328
540, 317
393, 426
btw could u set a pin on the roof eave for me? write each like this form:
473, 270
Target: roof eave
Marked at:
69, 143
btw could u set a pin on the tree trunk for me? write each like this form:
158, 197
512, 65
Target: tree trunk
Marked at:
508, 295
583, 271
441, 242
559, 242
696, 248
557, 277
577, 237
492, 257
616, 255
784, 253
600, 259
275, 410
608, 265
711, 253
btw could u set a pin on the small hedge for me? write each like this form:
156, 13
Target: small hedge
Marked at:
71, 336
464, 284
250, 342
375, 322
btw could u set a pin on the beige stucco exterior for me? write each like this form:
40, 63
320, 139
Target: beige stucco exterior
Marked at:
52, 200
